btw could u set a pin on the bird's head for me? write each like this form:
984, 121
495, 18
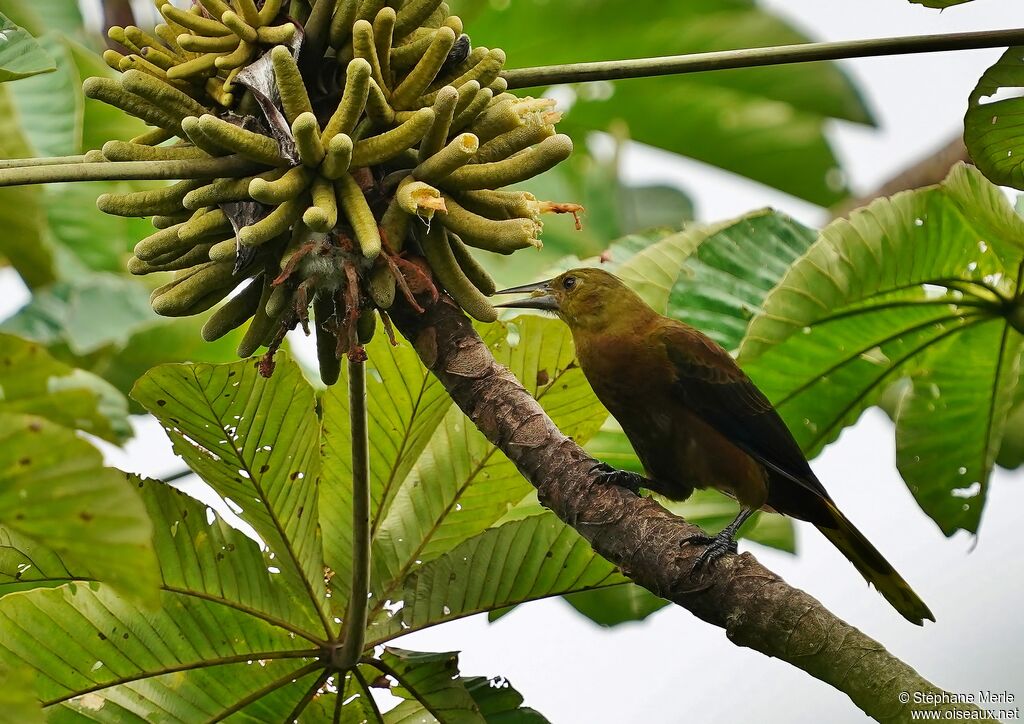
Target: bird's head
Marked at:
585, 299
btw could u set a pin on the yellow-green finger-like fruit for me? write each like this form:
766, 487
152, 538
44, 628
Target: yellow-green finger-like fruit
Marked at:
161, 94
287, 186
261, 326
473, 270
419, 198
233, 313
338, 157
366, 326
359, 216
195, 292
390, 144
255, 146
382, 286
353, 100
273, 224
323, 214
326, 341
449, 159
113, 93
162, 201
306, 132
523, 166
447, 270
502, 237
294, 97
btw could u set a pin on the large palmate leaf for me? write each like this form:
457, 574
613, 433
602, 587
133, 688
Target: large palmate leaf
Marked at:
522, 560
722, 284
433, 694
32, 382
24, 241
909, 286
21, 55
405, 404
40, 16
55, 490
613, 208
85, 313
993, 129
50, 106
255, 441
462, 484
764, 123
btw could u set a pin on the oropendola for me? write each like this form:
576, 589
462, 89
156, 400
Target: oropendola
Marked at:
696, 420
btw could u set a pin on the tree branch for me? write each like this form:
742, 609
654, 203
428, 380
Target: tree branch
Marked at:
756, 608
754, 57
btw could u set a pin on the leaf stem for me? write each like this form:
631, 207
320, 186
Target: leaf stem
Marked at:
50, 161
37, 171
355, 625
753, 57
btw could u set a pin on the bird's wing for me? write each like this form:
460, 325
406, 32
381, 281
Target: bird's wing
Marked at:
710, 384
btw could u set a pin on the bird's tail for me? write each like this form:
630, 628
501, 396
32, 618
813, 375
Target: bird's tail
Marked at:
866, 558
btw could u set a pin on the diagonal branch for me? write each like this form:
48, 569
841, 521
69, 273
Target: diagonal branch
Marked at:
756, 608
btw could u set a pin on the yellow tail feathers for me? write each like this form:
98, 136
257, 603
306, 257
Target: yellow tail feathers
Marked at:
866, 558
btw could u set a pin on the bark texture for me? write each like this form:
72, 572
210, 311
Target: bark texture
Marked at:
756, 608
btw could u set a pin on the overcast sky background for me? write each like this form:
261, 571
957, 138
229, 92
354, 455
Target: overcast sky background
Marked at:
675, 668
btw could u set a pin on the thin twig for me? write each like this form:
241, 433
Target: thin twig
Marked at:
753, 57
355, 625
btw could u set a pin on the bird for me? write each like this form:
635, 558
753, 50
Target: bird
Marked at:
697, 421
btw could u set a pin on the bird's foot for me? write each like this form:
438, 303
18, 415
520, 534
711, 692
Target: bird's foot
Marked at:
715, 546
607, 475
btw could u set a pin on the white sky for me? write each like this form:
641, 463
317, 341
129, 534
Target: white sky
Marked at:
674, 668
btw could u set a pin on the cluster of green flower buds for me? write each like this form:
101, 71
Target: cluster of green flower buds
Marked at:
324, 154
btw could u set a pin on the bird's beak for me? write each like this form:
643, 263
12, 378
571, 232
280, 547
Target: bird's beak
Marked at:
540, 297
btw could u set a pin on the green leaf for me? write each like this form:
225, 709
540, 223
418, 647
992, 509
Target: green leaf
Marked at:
50, 106
723, 283
523, 560
613, 209
764, 123
431, 680
462, 484
97, 656
652, 271
32, 382
40, 16
21, 55
993, 129
86, 313
54, 489
217, 590
949, 423
101, 122
405, 405
165, 340
617, 604
255, 441
939, 4
875, 299
17, 694
497, 701
25, 242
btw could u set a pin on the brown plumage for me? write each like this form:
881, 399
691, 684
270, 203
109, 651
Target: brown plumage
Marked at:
696, 420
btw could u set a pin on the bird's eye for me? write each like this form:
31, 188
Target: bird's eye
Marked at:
569, 282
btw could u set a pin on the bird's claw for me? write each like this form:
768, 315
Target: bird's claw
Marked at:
607, 475
716, 546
